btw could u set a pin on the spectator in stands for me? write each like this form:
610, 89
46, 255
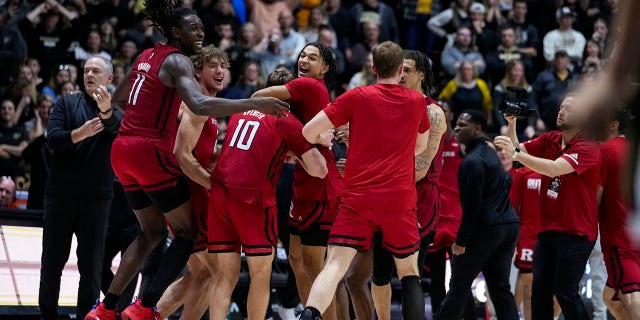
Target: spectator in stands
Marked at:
13, 139
7, 192
494, 14
69, 88
467, 91
38, 154
34, 64
453, 56
224, 35
483, 35
357, 53
507, 51
583, 13
341, 21
127, 53
91, 48
417, 36
108, 40
564, 38
222, 10
47, 35
27, 74
21, 95
319, 17
450, 20
272, 55
364, 77
60, 75
601, 36
248, 40
264, 13
551, 85
119, 73
526, 33
292, 41
142, 33
13, 48
80, 132
365, 10
514, 77
249, 82
592, 58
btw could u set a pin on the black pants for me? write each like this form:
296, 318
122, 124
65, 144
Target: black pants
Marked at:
491, 252
63, 217
122, 229
437, 262
559, 261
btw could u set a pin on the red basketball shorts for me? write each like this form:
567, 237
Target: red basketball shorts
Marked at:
428, 204
234, 225
144, 163
354, 227
446, 233
200, 201
623, 270
306, 213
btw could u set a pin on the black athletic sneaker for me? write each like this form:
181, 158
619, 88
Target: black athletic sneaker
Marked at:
307, 315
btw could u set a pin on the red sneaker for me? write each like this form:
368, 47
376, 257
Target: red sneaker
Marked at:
99, 312
136, 311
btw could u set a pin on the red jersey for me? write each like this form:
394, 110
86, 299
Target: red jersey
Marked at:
152, 108
615, 212
435, 169
448, 182
308, 97
568, 202
205, 149
525, 198
253, 153
384, 121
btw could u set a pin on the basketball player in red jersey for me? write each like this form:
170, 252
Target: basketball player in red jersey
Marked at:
417, 76
242, 211
315, 201
622, 257
379, 191
195, 152
143, 152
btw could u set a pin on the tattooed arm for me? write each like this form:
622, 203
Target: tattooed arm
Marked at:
438, 128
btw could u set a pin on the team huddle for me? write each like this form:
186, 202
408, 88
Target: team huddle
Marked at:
361, 216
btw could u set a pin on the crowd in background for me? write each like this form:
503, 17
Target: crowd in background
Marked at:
478, 49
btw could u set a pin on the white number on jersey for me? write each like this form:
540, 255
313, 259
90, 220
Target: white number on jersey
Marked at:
243, 142
135, 89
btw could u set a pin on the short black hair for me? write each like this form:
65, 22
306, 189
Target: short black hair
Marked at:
476, 117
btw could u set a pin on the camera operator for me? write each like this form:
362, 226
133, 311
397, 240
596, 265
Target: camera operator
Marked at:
568, 225
489, 228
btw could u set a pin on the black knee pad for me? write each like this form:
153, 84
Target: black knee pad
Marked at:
138, 199
382, 262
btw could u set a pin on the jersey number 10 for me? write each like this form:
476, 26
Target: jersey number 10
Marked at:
243, 142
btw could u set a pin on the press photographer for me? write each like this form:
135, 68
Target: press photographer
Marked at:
518, 101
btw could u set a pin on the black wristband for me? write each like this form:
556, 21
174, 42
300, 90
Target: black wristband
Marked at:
106, 112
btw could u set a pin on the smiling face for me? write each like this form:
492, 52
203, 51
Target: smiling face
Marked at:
311, 64
190, 34
516, 72
411, 77
212, 75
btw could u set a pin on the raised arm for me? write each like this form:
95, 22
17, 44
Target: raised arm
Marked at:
314, 131
189, 132
280, 92
547, 167
177, 71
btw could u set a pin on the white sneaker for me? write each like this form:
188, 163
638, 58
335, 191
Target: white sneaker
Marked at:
287, 313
